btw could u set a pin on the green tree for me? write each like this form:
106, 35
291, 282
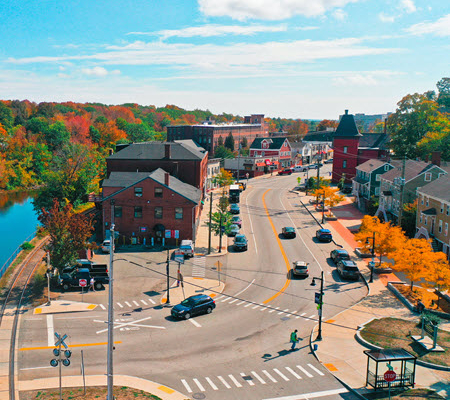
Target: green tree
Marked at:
222, 152
6, 116
223, 178
94, 134
138, 133
444, 92
410, 123
57, 135
229, 142
220, 141
222, 217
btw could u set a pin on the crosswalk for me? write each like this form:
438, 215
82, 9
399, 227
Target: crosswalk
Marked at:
130, 304
263, 307
242, 379
198, 268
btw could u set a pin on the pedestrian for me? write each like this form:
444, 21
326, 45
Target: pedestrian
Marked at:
91, 284
294, 339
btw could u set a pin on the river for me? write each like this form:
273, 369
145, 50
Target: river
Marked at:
17, 221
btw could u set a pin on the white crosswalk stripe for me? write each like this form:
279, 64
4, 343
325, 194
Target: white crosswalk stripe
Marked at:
198, 269
259, 378
304, 371
255, 307
281, 374
128, 304
312, 316
269, 376
248, 305
135, 302
225, 383
188, 388
211, 383
248, 380
242, 302
120, 305
102, 306
144, 303
152, 301
233, 301
293, 372
200, 386
315, 369
233, 379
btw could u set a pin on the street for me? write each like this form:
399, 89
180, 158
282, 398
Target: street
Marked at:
244, 344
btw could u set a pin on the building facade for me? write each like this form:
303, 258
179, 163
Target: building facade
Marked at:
213, 170
208, 135
150, 207
276, 147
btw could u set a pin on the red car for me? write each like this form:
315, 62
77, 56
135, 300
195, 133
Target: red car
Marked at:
286, 171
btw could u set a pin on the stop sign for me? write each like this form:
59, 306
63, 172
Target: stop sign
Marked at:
389, 376
82, 282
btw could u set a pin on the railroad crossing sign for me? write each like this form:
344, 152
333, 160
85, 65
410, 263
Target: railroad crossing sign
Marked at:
57, 352
389, 376
82, 282
60, 340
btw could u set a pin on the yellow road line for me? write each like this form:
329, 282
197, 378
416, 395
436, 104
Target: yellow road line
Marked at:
288, 265
166, 389
72, 345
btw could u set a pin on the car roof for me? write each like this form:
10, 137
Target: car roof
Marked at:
300, 263
348, 263
234, 205
324, 230
343, 251
240, 235
199, 297
289, 228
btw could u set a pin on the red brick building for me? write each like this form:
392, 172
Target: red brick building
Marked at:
207, 134
352, 148
182, 159
150, 206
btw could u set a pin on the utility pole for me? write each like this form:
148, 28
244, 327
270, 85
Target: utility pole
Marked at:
210, 214
402, 186
220, 233
320, 303
323, 208
168, 277
110, 395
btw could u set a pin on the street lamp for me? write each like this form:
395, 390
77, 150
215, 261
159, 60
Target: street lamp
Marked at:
319, 301
247, 175
372, 263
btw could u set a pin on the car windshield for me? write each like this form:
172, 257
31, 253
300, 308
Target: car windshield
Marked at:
289, 229
234, 227
301, 267
240, 239
187, 302
351, 268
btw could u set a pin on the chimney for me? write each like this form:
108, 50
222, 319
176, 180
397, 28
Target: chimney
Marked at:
167, 150
166, 179
346, 112
111, 152
436, 158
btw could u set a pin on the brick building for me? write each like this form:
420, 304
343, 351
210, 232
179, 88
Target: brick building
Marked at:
351, 148
207, 134
182, 159
150, 206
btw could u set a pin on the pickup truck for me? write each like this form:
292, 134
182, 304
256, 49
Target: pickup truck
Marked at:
72, 279
93, 267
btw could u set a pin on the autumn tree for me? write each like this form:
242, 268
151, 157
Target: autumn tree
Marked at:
69, 233
326, 123
297, 130
330, 195
437, 138
388, 237
438, 274
223, 178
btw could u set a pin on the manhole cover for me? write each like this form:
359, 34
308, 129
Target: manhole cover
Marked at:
285, 318
199, 396
247, 378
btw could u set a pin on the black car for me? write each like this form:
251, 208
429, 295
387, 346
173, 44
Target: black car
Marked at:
348, 269
347, 189
234, 209
339, 254
324, 235
240, 243
288, 232
194, 305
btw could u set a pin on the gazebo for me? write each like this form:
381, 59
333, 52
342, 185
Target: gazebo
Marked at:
400, 361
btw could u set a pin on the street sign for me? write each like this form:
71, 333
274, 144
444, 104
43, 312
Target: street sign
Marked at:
317, 298
389, 376
60, 340
178, 256
82, 282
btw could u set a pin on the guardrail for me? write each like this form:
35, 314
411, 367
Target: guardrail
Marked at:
13, 256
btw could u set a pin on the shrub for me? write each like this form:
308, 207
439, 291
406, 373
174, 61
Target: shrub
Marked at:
27, 246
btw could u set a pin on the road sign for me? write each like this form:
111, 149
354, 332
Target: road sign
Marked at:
60, 340
178, 256
389, 376
82, 282
317, 298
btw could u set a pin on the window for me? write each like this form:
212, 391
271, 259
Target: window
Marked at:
178, 213
344, 164
158, 212
428, 201
158, 192
262, 153
422, 199
448, 209
118, 211
442, 208
378, 177
421, 217
345, 149
427, 176
386, 167
425, 221
137, 212
138, 191
440, 226
446, 229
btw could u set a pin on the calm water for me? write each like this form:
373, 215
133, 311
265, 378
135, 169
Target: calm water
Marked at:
17, 221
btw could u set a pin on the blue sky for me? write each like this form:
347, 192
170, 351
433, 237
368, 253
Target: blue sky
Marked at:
284, 58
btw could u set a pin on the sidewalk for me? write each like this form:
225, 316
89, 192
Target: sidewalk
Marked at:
339, 351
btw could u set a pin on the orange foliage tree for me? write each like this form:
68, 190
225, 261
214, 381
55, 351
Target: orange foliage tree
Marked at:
326, 123
330, 194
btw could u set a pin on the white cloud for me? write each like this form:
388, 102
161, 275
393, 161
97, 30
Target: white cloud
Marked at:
408, 6
441, 27
339, 14
98, 71
268, 9
213, 30
386, 18
224, 58
355, 80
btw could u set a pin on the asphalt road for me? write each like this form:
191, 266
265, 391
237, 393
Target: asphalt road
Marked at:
240, 351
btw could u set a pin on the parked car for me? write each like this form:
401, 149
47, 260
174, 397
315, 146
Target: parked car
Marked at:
300, 168
234, 230
329, 161
194, 305
288, 232
324, 235
240, 243
315, 166
242, 185
84, 263
234, 209
106, 246
347, 189
348, 269
339, 254
300, 268
286, 171
83, 275
187, 248
236, 220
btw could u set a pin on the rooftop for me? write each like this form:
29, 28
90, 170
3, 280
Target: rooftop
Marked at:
347, 126
440, 188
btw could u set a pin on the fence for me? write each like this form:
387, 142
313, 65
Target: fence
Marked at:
14, 255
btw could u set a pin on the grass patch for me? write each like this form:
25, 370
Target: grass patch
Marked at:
95, 392
412, 394
396, 333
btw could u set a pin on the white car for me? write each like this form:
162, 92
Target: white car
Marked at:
300, 168
187, 248
106, 246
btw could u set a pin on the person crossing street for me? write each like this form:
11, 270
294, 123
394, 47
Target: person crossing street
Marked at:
294, 339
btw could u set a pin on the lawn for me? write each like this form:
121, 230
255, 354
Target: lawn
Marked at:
396, 333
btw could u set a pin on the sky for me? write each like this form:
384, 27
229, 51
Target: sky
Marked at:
308, 59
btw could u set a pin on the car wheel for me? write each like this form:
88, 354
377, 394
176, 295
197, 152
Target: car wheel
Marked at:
66, 286
98, 286
209, 310
187, 316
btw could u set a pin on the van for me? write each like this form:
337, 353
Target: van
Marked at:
187, 248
